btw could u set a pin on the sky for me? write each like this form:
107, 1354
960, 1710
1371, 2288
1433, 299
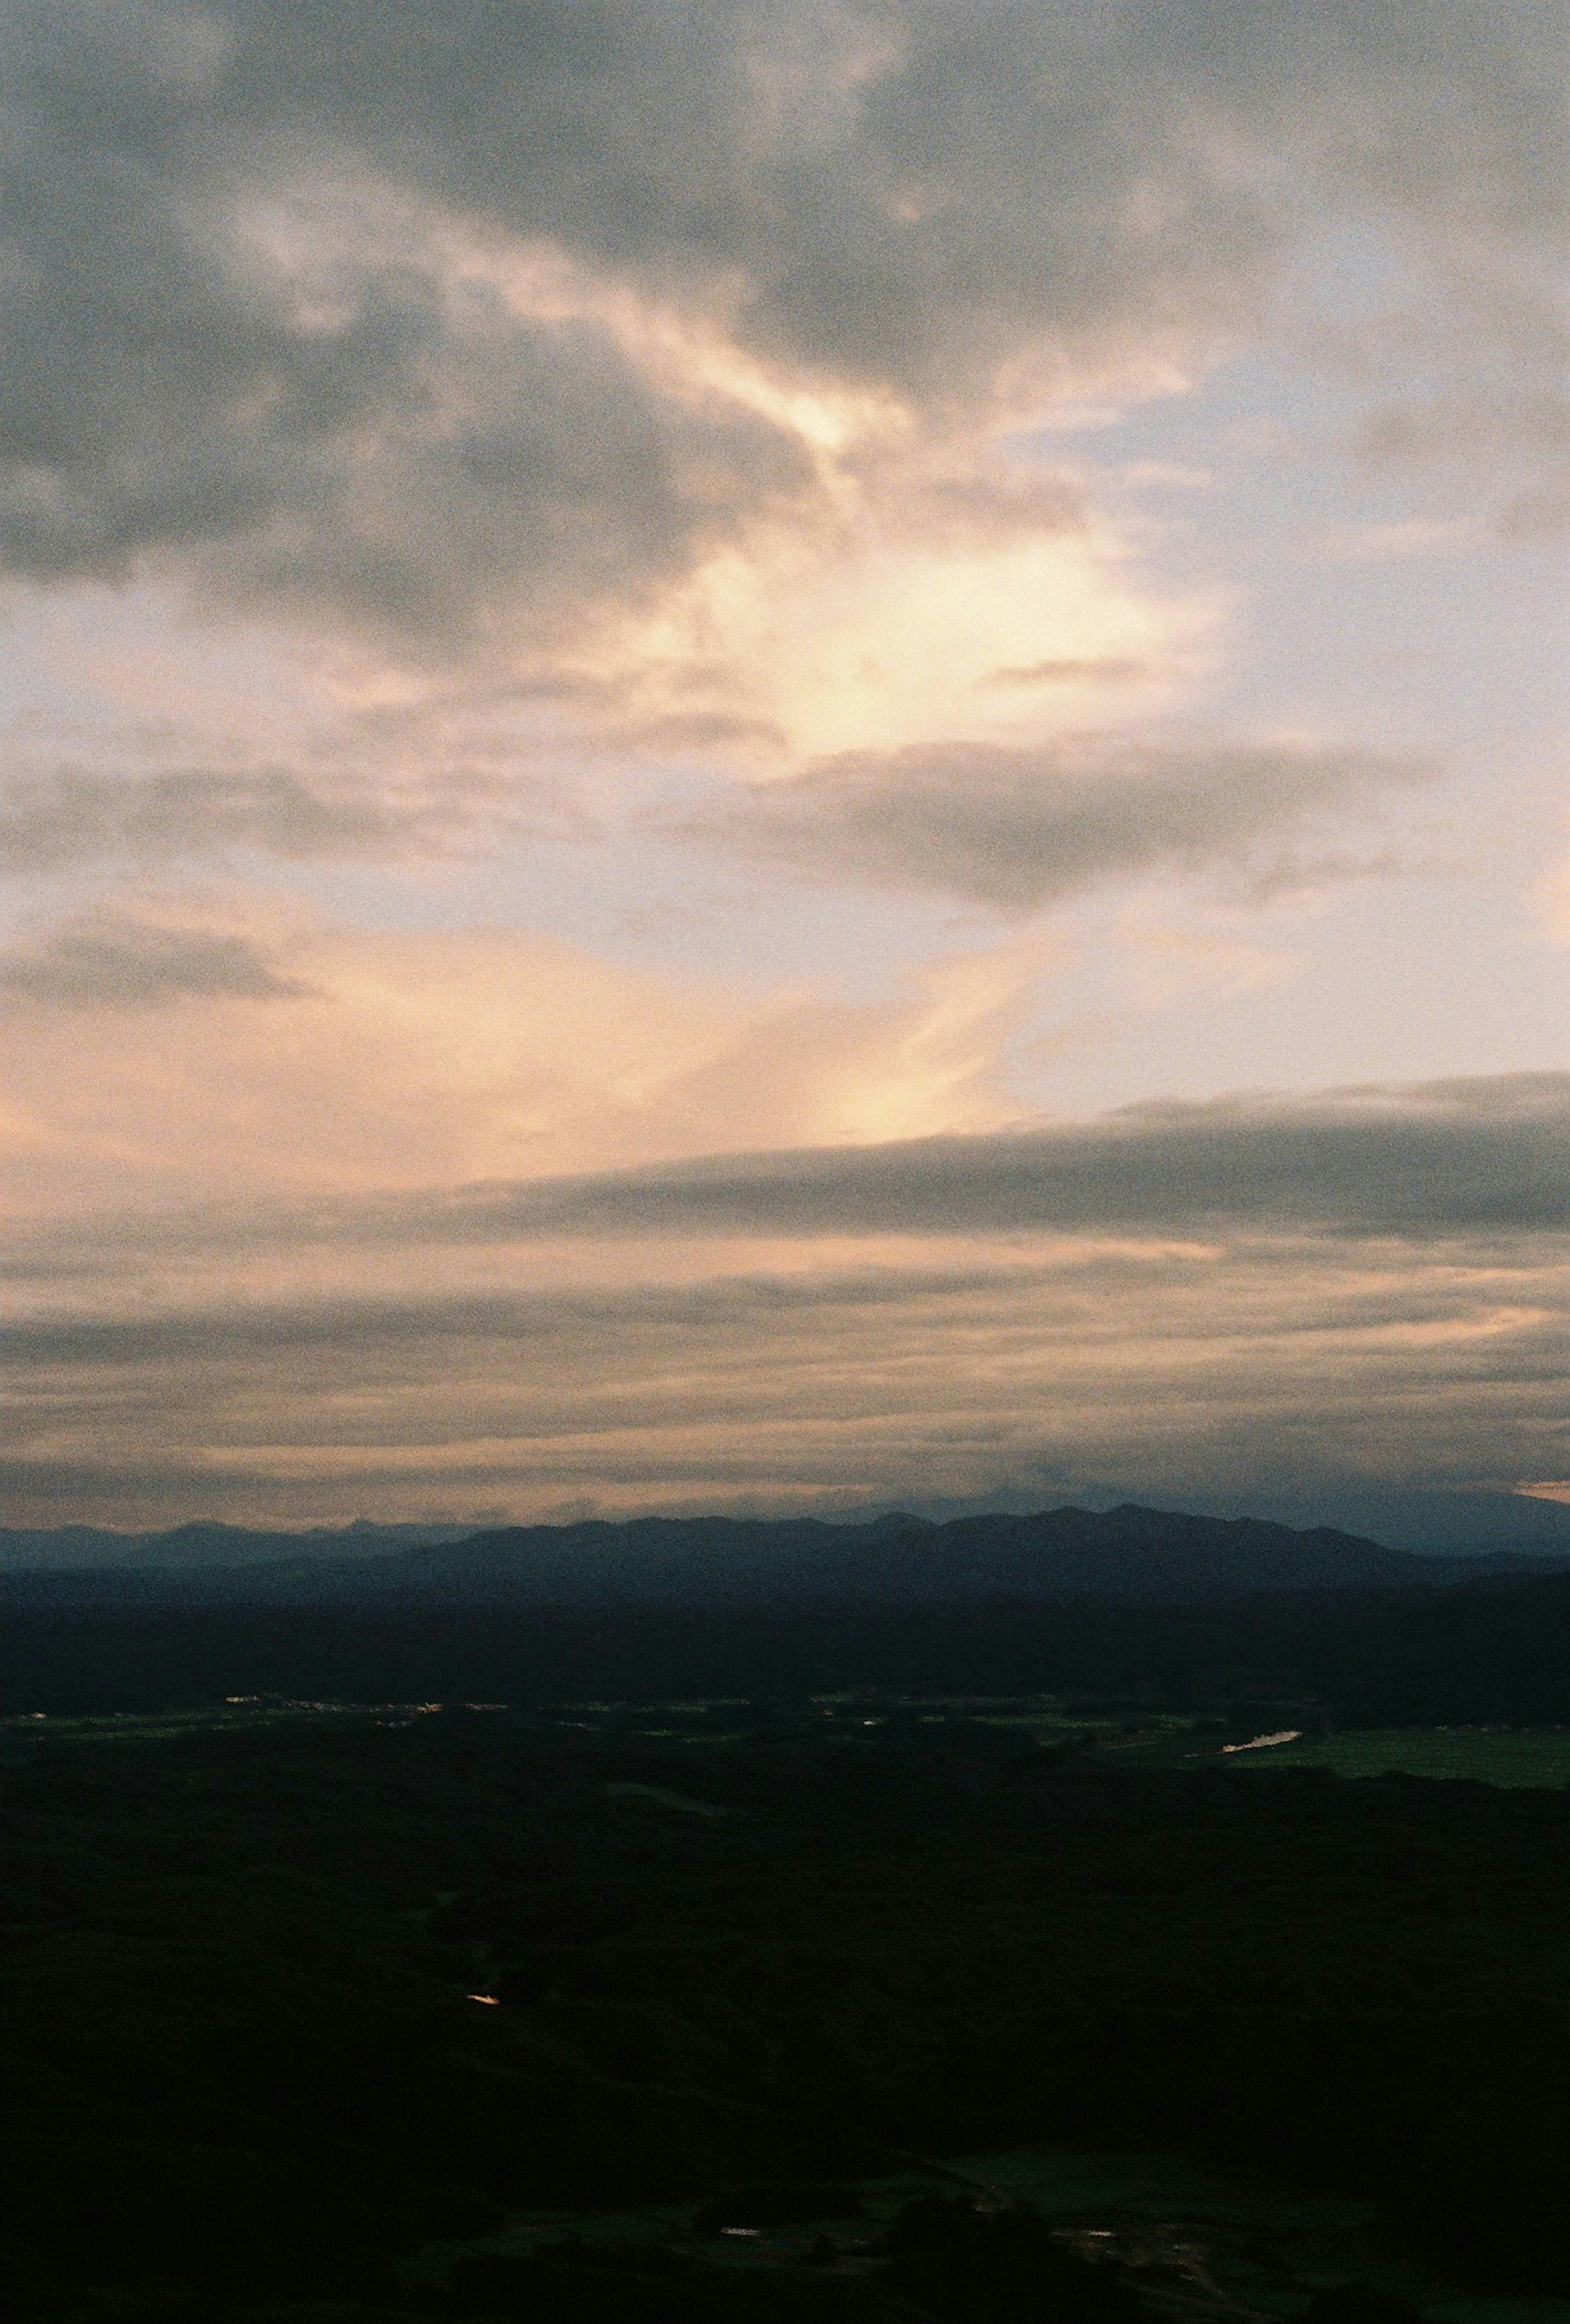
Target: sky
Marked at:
782, 757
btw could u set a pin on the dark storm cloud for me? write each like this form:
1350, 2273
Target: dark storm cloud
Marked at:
115, 963
234, 340
1018, 826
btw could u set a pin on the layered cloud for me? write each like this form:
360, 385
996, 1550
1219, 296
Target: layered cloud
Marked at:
1369, 1283
1022, 825
1455, 1159
1444, 1158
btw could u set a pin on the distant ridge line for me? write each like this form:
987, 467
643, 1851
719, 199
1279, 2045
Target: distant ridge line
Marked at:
1131, 1553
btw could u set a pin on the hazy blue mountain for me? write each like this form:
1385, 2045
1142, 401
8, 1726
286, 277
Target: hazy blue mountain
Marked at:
1468, 1526
205, 1544
1437, 1523
1427, 1520
1146, 1555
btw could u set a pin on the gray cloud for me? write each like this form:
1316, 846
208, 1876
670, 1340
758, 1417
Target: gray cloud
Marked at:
719, 1306
1020, 824
1476, 1156
235, 344
223, 353
56, 821
116, 964
439, 469
1198, 1373
710, 1319
1477, 1159
1514, 436
910, 190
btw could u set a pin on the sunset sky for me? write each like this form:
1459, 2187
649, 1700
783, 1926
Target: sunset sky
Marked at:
782, 756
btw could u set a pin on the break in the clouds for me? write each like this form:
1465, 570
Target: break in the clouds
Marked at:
1024, 825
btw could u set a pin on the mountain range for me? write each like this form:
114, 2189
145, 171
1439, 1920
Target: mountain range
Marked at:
1131, 1553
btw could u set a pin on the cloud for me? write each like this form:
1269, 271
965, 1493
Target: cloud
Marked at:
915, 191
506, 468
174, 751
115, 963
1472, 1160
1466, 1157
448, 1055
271, 376
721, 1311
883, 626
1020, 826
513, 397
1195, 1370
438, 334
1510, 432
1362, 1283
57, 822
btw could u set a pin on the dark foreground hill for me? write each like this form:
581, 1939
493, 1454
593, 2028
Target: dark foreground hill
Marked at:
1150, 1556
744, 1982
303, 2013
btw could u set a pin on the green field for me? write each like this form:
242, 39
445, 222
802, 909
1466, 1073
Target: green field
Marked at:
1536, 1758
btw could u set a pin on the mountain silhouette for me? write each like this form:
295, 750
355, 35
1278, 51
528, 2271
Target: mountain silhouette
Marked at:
1134, 1554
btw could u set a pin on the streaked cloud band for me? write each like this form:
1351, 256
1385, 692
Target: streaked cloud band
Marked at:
1478, 1156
